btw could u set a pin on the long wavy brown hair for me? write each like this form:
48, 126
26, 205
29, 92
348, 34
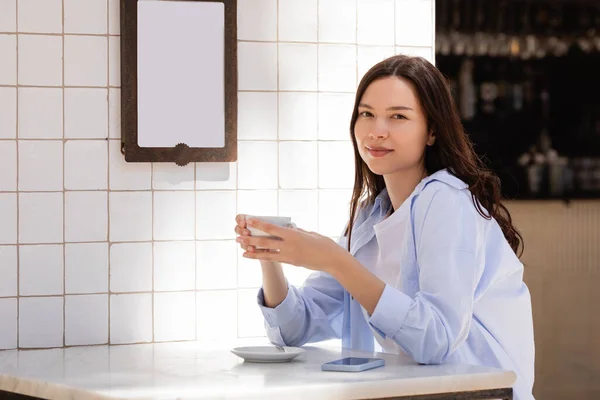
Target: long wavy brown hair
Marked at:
452, 148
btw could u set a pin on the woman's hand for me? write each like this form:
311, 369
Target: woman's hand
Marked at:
292, 246
243, 233
240, 230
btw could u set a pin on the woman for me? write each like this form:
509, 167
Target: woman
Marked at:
427, 264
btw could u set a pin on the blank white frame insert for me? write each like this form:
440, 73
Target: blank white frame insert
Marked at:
181, 74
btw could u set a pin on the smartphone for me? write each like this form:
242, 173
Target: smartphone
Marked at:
353, 364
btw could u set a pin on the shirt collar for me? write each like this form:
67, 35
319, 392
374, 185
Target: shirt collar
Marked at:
383, 203
443, 175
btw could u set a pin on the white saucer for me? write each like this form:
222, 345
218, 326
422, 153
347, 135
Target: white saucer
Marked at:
267, 354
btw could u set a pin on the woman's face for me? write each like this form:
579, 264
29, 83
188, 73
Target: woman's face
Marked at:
391, 130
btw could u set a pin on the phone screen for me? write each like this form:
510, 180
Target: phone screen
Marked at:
352, 361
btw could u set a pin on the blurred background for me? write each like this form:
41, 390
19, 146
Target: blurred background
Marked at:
525, 78
524, 74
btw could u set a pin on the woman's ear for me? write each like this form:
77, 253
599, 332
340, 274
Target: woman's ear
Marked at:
431, 138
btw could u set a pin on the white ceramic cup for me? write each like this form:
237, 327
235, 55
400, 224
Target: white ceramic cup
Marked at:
285, 222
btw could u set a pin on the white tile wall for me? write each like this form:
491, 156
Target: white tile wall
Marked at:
40, 60
214, 211
337, 67
130, 318
250, 319
114, 113
174, 266
334, 118
257, 165
86, 216
85, 17
130, 267
41, 322
86, 319
298, 165
298, 20
113, 17
8, 271
8, 329
86, 61
8, 112
367, 56
40, 113
301, 206
8, 165
174, 316
216, 176
257, 202
40, 165
86, 112
336, 165
257, 116
298, 115
257, 20
172, 177
216, 264
41, 16
375, 22
257, 64
414, 22
41, 217
336, 26
86, 268
9, 216
207, 315
171, 219
298, 66
41, 270
130, 216
96, 250
93, 153
8, 65
8, 15
114, 61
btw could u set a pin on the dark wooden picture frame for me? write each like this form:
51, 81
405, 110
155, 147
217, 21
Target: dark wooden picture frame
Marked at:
180, 154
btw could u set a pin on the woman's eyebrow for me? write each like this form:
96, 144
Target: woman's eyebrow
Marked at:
394, 108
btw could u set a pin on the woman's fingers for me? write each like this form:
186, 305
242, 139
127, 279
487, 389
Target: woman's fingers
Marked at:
241, 231
240, 219
264, 243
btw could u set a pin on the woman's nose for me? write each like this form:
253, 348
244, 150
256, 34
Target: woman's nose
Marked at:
379, 130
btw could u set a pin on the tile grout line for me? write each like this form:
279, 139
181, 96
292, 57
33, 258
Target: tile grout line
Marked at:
108, 170
119, 87
39, 86
58, 33
153, 205
18, 247
80, 294
196, 253
63, 176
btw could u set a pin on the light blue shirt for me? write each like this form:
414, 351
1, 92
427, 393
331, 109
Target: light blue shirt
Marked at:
461, 298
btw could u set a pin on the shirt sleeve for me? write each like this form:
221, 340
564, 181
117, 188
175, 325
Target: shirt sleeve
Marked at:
311, 313
430, 326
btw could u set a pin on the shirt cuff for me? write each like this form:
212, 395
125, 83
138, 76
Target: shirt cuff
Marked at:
390, 312
284, 313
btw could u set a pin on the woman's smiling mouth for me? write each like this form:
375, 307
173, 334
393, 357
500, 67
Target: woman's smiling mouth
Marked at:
377, 151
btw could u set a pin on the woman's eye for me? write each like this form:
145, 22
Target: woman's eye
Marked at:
398, 116
365, 114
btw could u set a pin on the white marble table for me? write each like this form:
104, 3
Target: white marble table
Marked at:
195, 370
